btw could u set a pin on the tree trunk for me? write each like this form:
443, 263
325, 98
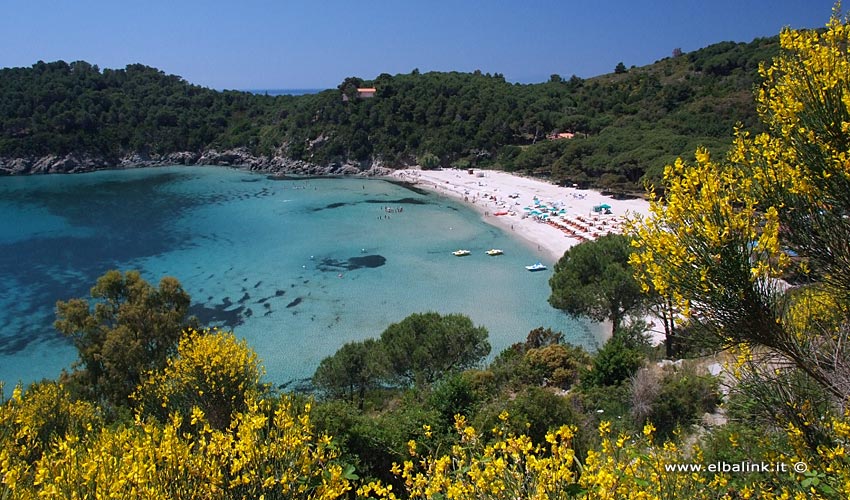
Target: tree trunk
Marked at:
669, 328
615, 318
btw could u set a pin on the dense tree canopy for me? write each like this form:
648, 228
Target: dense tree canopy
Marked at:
132, 328
447, 118
594, 280
423, 347
355, 368
57, 108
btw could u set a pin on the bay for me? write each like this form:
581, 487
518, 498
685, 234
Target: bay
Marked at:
297, 267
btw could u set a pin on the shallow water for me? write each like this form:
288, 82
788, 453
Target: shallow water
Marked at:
298, 267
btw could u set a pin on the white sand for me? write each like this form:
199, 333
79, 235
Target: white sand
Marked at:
478, 192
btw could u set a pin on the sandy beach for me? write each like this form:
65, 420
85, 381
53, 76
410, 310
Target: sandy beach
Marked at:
570, 218
509, 201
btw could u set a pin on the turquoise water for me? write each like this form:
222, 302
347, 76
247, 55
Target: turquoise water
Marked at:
298, 267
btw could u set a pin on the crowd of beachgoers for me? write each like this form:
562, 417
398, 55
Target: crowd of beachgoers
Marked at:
545, 216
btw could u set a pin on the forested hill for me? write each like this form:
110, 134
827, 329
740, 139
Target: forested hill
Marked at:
626, 124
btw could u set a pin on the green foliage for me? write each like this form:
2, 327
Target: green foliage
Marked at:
58, 108
542, 360
684, 396
777, 398
375, 442
427, 351
454, 394
428, 161
555, 365
614, 363
335, 418
355, 368
606, 403
476, 119
635, 335
594, 280
533, 412
132, 329
423, 347
738, 442
692, 341
542, 337
536, 410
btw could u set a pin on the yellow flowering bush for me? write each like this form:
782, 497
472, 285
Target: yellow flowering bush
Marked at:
250, 448
269, 451
801, 166
212, 371
622, 466
509, 467
709, 246
725, 232
31, 421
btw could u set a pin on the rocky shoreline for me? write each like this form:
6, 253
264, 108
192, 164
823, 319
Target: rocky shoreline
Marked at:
240, 158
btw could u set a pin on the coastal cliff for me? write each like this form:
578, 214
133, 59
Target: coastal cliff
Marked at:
238, 157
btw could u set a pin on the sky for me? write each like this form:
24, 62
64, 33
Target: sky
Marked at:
288, 44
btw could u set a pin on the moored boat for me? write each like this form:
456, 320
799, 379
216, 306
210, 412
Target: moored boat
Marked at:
461, 253
536, 267
494, 251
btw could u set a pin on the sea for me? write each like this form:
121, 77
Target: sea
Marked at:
276, 92
296, 266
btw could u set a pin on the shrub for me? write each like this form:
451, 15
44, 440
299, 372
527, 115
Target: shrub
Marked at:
554, 365
269, 451
614, 363
31, 421
453, 395
683, 396
212, 371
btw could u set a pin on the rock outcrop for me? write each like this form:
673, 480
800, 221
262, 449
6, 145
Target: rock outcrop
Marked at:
238, 157
52, 164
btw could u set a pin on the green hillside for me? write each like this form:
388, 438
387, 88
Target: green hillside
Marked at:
627, 124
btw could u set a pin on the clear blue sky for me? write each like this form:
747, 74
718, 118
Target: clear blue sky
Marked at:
253, 44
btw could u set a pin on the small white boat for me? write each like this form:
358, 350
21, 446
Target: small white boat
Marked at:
536, 267
494, 251
461, 253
